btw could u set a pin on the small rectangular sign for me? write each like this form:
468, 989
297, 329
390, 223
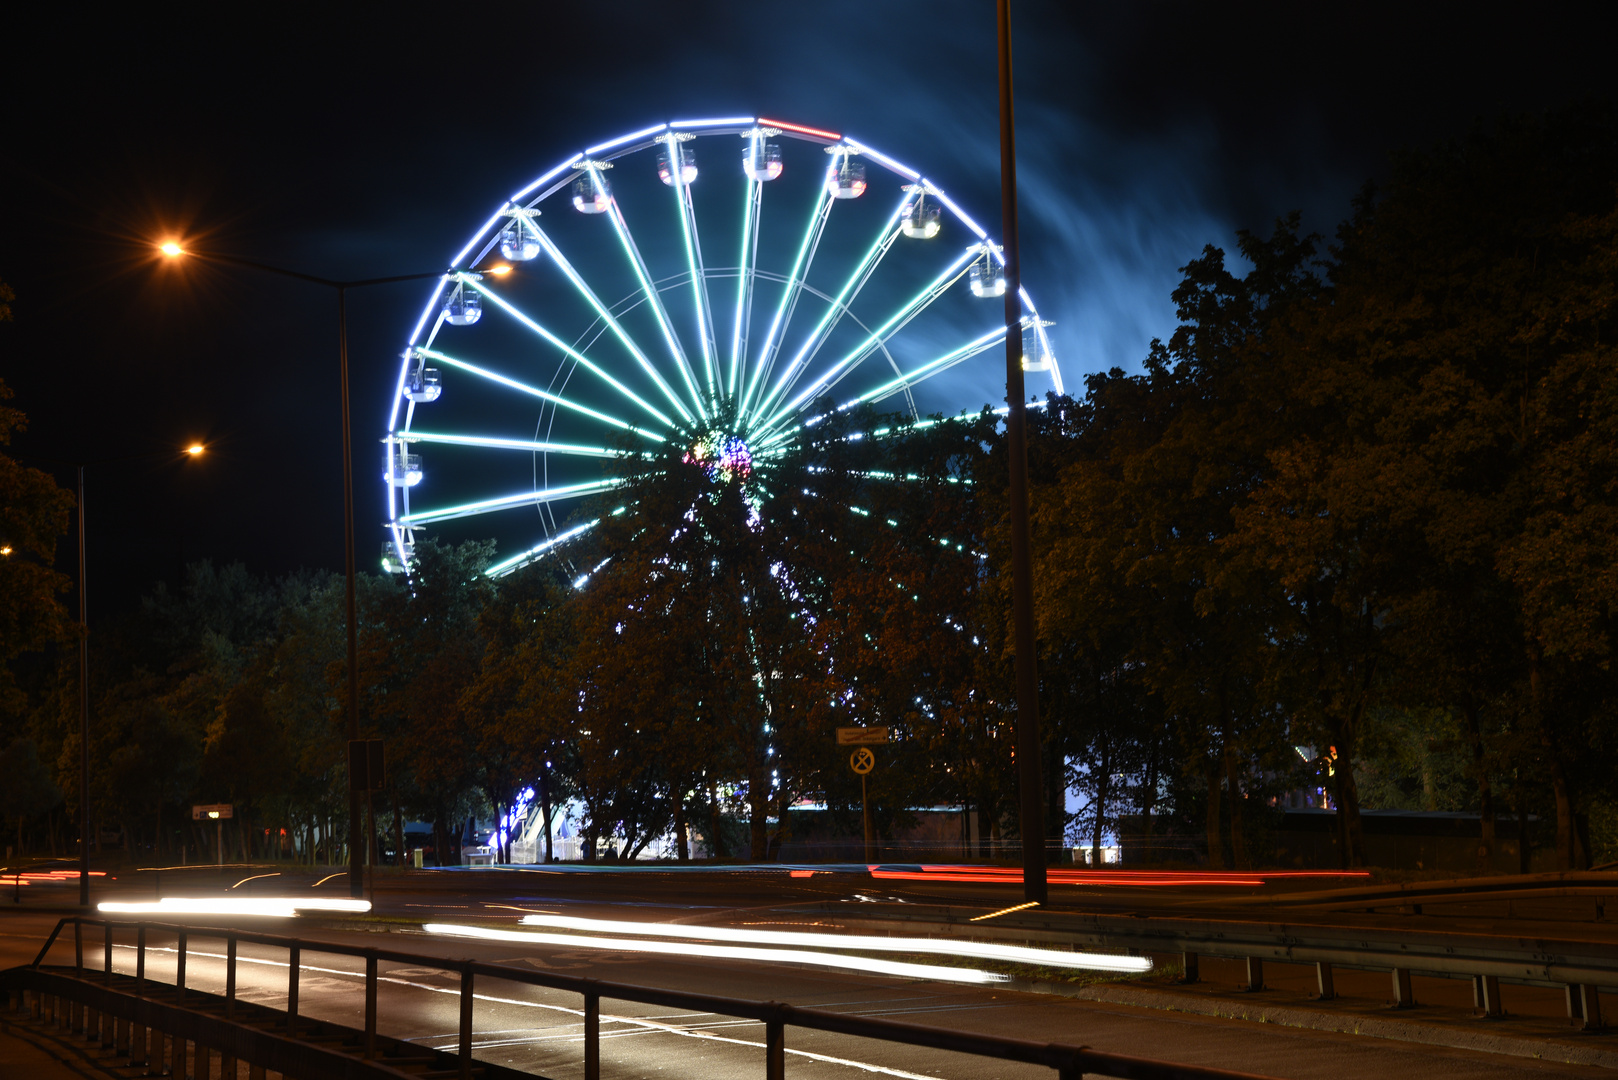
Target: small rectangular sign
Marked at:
216, 810
861, 736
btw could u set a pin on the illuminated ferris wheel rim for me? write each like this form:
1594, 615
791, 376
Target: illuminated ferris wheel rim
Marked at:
776, 428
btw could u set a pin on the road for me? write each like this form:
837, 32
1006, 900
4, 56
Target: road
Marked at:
540, 1030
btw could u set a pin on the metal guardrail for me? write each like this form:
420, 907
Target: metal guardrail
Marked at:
1581, 968
1069, 1062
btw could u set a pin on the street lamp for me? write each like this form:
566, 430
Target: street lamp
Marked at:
173, 249
1030, 790
194, 450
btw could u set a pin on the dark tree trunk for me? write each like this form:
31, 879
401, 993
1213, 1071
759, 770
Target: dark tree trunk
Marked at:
545, 808
1486, 815
1524, 855
1216, 854
682, 849
398, 832
1238, 841
716, 833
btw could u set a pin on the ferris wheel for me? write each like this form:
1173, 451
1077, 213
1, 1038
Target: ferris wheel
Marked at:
591, 311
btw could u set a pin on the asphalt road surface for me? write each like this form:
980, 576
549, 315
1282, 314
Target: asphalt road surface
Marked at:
540, 1030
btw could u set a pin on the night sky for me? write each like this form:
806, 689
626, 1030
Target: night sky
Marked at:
357, 142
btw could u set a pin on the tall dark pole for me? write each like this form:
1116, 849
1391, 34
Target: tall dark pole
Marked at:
1022, 585
356, 868
84, 718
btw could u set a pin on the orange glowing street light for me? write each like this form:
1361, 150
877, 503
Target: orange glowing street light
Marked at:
195, 449
172, 249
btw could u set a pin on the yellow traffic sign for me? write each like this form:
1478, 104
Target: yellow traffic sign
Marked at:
862, 761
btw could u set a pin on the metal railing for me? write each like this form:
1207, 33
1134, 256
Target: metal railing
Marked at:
1069, 1062
1581, 968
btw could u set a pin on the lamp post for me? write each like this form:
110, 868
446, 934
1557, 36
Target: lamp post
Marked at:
174, 250
1032, 811
194, 450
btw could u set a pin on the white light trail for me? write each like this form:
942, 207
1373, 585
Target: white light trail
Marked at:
544, 395
499, 569
728, 952
283, 907
505, 444
580, 358
977, 950
631, 137
507, 502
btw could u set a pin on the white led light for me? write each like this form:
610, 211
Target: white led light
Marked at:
631, 137
727, 952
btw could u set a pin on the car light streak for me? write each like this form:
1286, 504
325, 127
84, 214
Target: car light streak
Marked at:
1062, 877
977, 950
727, 952
281, 907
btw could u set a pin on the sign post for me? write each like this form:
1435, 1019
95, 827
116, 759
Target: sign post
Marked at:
862, 761
218, 812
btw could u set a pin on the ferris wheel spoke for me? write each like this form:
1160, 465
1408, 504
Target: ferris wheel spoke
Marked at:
693, 260
543, 395
915, 306
620, 226
933, 367
601, 310
490, 442
509, 502
583, 361
789, 295
745, 284
863, 270
534, 554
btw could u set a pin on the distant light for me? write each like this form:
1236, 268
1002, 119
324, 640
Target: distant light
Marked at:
499, 271
5, 549
194, 449
213, 813
171, 249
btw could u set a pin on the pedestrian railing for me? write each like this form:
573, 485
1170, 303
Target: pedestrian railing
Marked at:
94, 997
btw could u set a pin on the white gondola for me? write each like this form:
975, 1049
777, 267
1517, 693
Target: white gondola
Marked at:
591, 193
399, 468
395, 561
423, 384
921, 220
762, 161
518, 241
846, 181
688, 164
1036, 347
463, 306
988, 277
